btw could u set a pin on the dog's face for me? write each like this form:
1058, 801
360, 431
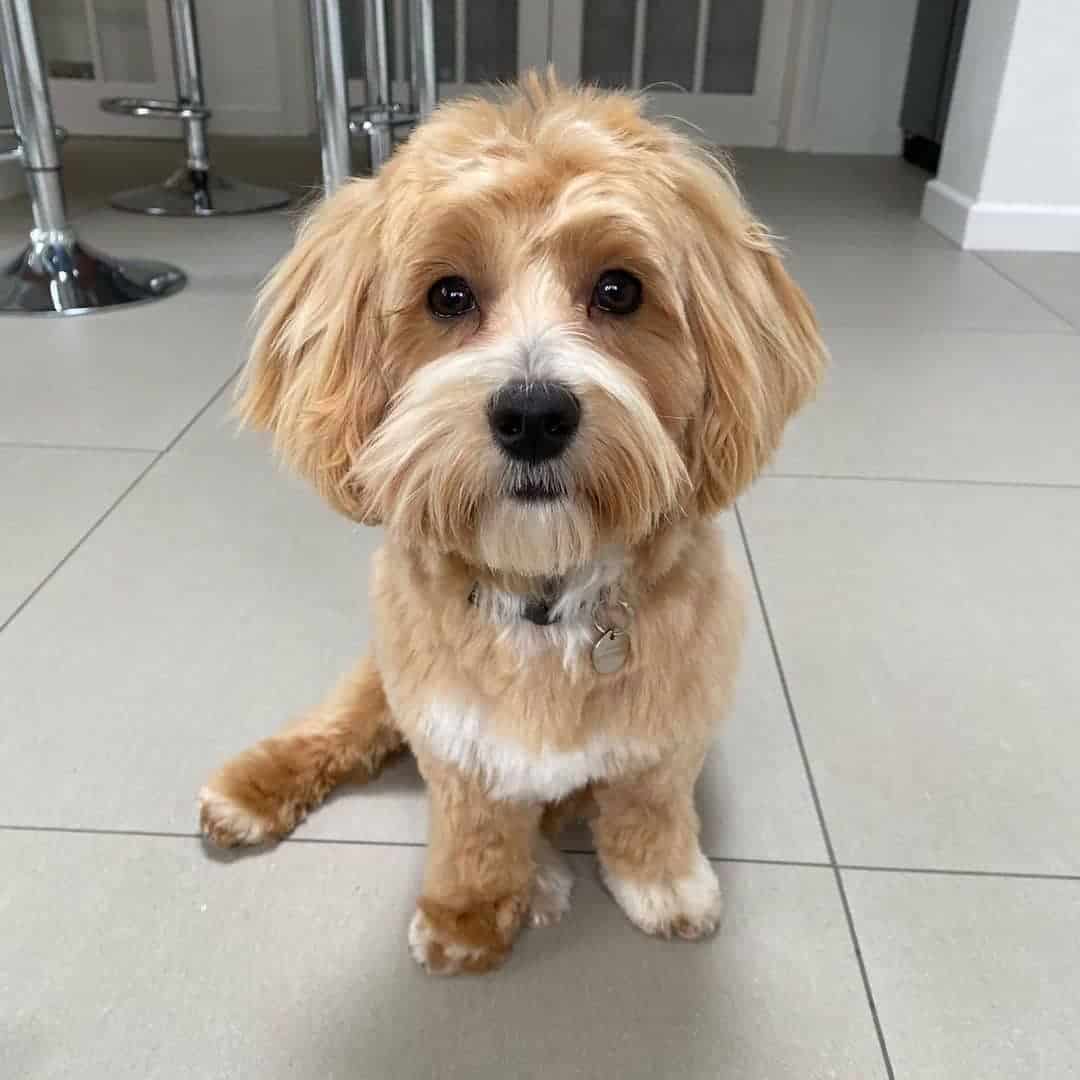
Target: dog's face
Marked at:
546, 326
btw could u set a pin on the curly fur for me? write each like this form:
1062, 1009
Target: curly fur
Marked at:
384, 409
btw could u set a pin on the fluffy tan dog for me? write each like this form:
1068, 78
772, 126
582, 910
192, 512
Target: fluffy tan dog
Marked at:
542, 348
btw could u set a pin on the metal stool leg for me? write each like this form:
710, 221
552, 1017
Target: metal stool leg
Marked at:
331, 93
422, 77
56, 274
377, 77
194, 190
381, 119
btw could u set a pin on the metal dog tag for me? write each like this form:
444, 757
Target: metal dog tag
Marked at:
610, 652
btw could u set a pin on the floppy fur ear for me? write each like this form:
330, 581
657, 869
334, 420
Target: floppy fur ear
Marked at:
314, 378
756, 334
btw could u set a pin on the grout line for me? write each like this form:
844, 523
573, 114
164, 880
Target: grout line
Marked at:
15, 445
78, 830
828, 327
79, 543
1040, 484
115, 503
1016, 875
810, 864
860, 961
1027, 291
198, 416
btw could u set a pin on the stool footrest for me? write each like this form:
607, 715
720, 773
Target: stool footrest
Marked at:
175, 110
364, 117
14, 153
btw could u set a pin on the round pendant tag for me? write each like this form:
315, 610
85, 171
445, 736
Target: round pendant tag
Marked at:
610, 652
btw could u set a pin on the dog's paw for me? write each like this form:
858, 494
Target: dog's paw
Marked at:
227, 823
687, 907
446, 941
552, 885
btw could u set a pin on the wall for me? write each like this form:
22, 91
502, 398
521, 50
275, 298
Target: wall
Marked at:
1010, 168
861, 86
1034, 152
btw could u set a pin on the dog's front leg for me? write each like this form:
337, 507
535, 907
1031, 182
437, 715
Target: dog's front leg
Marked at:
264, 792
646, 833
478, 878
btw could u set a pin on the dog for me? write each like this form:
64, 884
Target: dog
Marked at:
542, 348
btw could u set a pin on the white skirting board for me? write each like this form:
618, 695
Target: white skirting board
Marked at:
996, 226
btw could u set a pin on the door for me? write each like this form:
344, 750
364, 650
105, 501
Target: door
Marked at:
477, 43
105, 48
717, 65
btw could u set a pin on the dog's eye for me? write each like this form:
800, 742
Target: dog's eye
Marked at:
450, 297
617, 292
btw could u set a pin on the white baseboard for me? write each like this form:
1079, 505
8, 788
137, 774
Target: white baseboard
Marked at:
996, 226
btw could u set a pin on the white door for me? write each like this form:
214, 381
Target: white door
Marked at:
105, 48
718, 65
477, 43
255, 58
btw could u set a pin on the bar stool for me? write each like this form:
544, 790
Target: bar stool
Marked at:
56, 274
381, 118
193, 190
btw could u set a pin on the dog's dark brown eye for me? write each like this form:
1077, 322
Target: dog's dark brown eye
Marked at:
617, 292
450, 297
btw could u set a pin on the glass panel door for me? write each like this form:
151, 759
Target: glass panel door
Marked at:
718, 65
477, 43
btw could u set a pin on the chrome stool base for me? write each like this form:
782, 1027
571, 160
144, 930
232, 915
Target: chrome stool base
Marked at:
195, 193
56, 275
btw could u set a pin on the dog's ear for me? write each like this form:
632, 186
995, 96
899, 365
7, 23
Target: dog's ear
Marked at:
756, 336
314, 378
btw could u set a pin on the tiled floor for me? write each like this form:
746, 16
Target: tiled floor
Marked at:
893, 807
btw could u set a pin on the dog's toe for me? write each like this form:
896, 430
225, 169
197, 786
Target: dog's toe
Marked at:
689, 907
552, 885
226, 823
440, 954
449, 940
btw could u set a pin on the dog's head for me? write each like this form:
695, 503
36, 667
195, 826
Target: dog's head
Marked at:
547, 325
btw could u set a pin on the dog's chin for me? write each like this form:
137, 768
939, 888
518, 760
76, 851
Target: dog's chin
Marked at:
536, 529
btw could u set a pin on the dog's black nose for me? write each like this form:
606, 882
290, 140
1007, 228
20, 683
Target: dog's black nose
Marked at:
534, 421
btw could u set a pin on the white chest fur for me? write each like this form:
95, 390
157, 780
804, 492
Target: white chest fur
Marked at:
459, 735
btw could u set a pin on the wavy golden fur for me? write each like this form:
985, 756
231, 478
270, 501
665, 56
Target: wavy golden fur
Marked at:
386, 410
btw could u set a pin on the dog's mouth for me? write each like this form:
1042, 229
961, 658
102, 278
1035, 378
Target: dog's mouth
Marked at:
536, 489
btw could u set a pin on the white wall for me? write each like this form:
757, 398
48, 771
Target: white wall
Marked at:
987, 39
1010, 168
1035, 147
864, 65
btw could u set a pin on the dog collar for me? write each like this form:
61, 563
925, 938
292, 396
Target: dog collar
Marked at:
610, 650
537, 609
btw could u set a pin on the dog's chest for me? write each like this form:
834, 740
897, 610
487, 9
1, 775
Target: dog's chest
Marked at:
463, 736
